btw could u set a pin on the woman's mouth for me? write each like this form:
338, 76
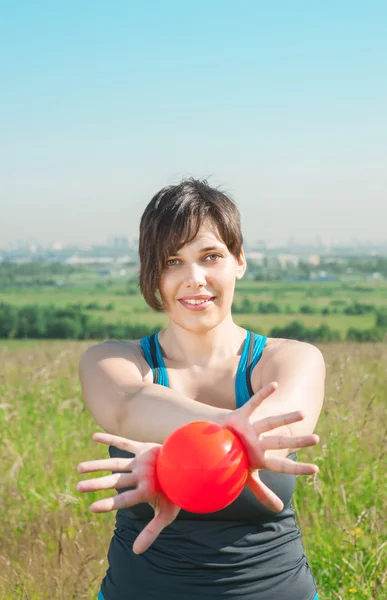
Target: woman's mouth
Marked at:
197, 305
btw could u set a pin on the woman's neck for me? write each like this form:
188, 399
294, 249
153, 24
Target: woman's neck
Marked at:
202, 348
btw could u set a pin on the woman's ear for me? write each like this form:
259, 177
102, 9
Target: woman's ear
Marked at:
241, 265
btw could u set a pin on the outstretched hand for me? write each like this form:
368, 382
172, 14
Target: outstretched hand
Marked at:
250, 434
140, 472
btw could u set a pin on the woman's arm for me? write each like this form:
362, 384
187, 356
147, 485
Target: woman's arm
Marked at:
122, 404
299, 369
141, 470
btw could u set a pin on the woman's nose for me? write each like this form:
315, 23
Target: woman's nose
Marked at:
195, 275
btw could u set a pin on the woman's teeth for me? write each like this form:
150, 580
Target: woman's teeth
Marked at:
197, 301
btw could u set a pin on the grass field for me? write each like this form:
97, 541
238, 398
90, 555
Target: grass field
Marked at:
52, 547
289, 296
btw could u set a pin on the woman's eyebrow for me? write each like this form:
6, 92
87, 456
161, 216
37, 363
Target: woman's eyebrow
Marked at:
206, 249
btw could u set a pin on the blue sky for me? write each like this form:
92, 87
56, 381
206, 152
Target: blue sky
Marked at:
281, 103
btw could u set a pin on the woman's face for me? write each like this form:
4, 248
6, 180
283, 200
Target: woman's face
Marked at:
201, 270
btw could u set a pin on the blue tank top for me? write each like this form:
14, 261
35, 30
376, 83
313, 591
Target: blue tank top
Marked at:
242, 551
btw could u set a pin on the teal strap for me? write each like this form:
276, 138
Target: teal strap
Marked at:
252, 352
163, 373
152, 353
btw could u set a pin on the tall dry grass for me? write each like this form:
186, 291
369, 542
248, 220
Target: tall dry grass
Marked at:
52, 547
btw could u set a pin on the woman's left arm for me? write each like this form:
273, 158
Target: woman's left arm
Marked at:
299, 370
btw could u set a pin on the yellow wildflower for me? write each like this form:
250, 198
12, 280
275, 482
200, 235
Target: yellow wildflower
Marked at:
352, 590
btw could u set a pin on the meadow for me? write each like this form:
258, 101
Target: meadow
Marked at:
127, 305
52, 547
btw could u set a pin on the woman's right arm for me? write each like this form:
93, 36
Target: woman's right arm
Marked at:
123, 404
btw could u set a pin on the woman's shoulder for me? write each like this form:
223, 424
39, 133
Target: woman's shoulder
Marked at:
283, 355
283, 347
127, 349
282, 351
273, 344
128, 344
290, 354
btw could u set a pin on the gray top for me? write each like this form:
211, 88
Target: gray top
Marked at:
244, 551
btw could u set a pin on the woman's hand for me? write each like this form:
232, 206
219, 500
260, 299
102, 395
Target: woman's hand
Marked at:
140, 472
250, 434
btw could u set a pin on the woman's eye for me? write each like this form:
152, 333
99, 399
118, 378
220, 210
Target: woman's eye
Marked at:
212, 255
172, 260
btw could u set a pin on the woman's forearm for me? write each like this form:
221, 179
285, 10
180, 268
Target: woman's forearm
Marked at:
154, 411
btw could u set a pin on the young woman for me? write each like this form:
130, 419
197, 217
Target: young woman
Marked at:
202, 366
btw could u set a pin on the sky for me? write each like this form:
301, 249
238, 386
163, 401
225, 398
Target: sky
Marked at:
280, 103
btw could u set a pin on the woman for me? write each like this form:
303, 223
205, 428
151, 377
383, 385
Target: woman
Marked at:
202, 366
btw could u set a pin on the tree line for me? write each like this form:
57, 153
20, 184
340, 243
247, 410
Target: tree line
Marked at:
73, 322
248, 306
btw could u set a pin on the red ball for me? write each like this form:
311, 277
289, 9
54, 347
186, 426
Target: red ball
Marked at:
202, 467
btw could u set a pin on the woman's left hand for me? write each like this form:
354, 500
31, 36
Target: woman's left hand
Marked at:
256, 445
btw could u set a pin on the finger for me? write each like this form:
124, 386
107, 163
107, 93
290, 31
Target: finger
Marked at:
116, 481
150, 533
106, 464
250, 406
115, 440
286, 465
276, 442
264, 494
124, 500
269, 423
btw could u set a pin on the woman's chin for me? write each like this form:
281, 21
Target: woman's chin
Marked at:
197, 325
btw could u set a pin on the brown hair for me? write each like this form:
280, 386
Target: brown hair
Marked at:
172, 219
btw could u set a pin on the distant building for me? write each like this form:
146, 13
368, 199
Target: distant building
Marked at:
288, 259
255, 256
374, 277
88, 260
314, 260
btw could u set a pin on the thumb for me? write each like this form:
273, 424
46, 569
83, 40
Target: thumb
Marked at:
263, 493
150, 533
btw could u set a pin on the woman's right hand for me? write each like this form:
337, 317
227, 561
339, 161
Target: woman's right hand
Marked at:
140, 472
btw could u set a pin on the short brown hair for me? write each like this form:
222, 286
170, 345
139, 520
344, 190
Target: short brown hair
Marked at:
172, 219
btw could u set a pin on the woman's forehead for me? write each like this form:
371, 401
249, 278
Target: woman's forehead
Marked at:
206, 236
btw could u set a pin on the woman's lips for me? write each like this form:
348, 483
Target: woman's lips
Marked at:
197, 307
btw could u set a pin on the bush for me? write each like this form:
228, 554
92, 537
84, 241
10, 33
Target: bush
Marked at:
69, 322
306, 309
358, 309
366, 335
296, 330
381, 319
94, 306
268, 308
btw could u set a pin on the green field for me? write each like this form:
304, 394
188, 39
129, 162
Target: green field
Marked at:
288, 296
52, 547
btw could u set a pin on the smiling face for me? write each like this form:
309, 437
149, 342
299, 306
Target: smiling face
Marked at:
203, 269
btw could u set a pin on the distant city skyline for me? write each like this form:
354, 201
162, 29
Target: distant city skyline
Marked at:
132, 243
280, 104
